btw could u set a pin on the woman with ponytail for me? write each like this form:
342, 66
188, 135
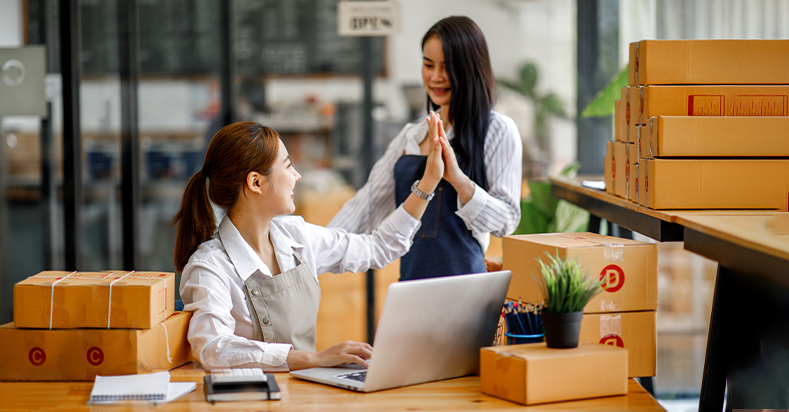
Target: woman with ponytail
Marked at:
481, 191
252, 282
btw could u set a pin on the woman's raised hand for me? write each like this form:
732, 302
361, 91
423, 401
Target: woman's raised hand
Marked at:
452, 172
434, 170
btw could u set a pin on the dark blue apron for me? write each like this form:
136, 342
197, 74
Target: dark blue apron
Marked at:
444, 245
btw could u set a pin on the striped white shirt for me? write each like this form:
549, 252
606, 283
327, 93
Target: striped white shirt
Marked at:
495, 212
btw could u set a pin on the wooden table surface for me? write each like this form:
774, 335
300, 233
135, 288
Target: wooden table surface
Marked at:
298, 395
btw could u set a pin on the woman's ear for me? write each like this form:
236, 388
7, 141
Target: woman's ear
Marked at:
254, 182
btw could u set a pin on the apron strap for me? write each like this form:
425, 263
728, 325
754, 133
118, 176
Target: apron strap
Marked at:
298, 256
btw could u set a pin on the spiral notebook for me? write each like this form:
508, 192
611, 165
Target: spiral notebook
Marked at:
151, 387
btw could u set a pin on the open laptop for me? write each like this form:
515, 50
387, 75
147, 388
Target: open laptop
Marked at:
429, 330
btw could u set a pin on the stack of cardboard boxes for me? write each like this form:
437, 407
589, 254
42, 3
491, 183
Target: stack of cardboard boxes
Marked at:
621, 316
76, 325
624, 313
703, 124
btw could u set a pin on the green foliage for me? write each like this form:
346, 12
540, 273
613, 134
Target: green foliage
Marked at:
541, 212
563, 285
603, 104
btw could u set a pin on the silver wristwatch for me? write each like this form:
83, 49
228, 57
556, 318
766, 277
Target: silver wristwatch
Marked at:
420, 194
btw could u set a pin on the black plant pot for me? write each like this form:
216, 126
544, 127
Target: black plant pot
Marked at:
562, 329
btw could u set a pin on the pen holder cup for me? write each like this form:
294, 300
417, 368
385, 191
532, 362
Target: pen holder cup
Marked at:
519, 339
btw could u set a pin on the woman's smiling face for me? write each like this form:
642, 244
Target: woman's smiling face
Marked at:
434, 73
281, 184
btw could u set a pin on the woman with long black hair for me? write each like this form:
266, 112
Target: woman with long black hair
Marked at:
481, 187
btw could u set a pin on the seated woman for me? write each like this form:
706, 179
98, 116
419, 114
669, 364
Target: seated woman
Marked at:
252, 283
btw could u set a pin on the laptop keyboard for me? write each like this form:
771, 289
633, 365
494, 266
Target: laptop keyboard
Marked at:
355, 376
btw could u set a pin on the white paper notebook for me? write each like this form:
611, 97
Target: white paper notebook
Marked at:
152, 387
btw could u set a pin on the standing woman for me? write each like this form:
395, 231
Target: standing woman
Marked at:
481, 187
252, 284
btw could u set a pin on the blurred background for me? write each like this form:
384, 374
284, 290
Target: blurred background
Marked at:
167, 75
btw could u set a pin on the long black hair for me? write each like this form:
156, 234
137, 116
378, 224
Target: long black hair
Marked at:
472, 88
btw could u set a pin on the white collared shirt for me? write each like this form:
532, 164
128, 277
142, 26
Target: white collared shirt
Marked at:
495, 211
212, 285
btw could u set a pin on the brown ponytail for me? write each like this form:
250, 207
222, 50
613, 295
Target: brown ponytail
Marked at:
235, 151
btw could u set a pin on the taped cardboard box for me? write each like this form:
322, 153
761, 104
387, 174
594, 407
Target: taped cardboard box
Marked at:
710, 62
533, 373
629, 268
630, 171
608, 167
67, 300
620, 185
634, 331
736, 101
678, 136
716, 184
81, 354
617, 135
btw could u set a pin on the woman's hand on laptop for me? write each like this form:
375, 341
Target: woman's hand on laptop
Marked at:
344, 353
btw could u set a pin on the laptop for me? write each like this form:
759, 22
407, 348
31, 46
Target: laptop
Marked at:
429, 330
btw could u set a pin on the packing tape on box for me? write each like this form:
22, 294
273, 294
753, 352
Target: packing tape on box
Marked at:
52, 297
614, 253
109, 307
167, 341
610, 325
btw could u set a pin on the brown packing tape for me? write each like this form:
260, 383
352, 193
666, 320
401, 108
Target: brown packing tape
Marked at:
637, 56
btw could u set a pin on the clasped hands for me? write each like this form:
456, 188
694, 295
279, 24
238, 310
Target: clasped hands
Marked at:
442, 162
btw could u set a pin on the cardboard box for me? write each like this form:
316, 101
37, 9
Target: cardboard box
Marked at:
617, 119
630, 170
140, 300
716, 184
634, 331
711, 62
620, 162
81, 354
630, 268
683, 136
609, 167
740, 101
533, 373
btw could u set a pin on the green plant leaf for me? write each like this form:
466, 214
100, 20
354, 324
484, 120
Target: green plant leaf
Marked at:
603, 103
551, 104
528, 77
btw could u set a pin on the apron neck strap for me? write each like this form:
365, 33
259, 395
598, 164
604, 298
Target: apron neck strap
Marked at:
298, 256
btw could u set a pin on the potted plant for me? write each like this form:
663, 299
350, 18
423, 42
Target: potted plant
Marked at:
566, 291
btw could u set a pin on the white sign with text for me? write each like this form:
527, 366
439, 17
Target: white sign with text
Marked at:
368, 18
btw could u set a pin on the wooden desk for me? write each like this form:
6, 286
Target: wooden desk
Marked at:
298, 395
748, 343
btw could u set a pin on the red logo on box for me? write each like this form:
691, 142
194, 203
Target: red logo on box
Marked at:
613, 167
612, 340
37, 356
641, 108
95, 356
627, 113
614, 278
646, 183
